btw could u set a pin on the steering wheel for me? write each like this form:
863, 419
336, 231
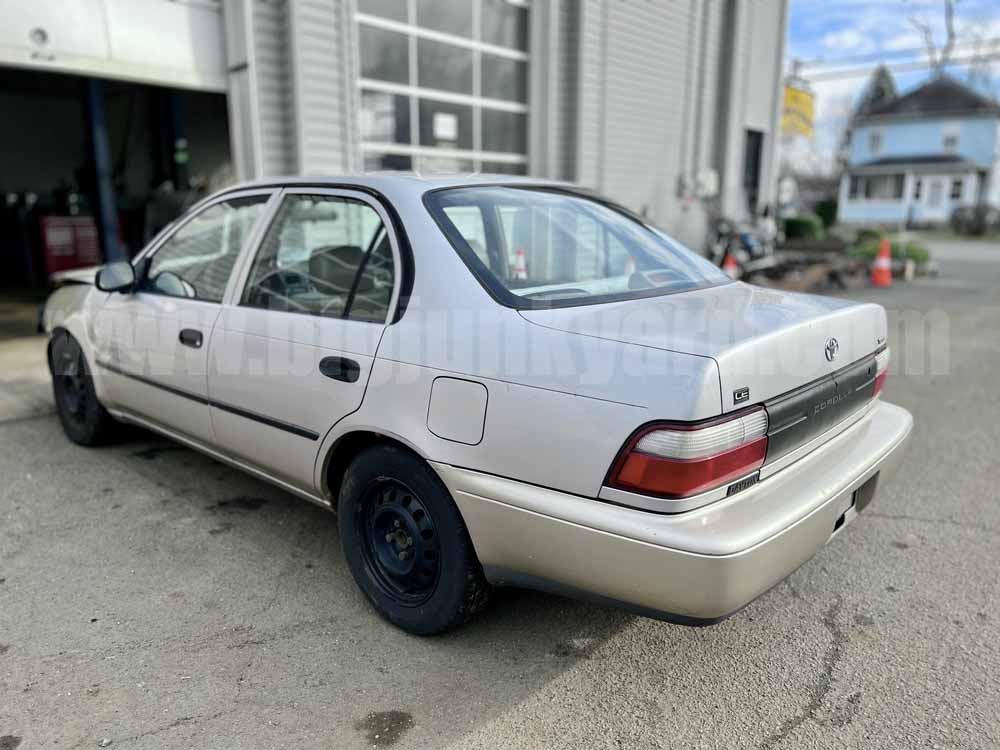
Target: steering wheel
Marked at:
285, 283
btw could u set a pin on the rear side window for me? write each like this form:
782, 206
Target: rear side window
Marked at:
324, 255
197, 260
542, 248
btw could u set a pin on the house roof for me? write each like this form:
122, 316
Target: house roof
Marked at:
889, 161
941, 95
919, 163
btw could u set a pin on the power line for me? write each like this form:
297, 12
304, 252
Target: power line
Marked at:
903, 67
880, 56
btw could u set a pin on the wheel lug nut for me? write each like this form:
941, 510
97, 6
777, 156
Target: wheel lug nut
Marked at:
396, 524
388, 537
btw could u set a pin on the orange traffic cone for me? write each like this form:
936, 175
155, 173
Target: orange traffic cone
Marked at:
730, 267
882, 268
520, 270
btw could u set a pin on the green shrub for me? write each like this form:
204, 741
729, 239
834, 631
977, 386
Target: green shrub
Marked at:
827, 212
804, 227
868, 249
867, 235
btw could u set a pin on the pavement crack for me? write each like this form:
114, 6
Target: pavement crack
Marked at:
820, 689
174, 724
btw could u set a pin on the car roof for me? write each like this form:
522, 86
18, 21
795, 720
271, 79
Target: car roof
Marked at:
398, 181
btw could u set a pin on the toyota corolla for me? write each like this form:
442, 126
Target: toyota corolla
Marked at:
492, 381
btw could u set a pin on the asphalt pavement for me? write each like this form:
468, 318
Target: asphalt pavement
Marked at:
153, 598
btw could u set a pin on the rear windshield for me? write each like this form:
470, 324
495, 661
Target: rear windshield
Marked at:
533, 247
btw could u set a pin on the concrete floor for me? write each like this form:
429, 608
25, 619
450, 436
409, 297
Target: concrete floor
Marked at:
153, 598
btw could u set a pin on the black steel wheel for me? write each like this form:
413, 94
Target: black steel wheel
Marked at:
84, 419
406, 544
400, 541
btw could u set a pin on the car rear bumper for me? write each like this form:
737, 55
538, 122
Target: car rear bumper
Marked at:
696, 567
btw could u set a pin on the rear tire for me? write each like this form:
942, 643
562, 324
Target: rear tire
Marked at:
406, 544
84, 420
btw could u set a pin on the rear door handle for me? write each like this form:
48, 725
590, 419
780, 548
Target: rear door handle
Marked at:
190, 337
340, 368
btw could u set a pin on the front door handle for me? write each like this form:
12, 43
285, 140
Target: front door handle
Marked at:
340, 368
190, 337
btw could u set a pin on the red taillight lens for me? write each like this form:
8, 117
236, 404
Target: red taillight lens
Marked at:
678, 460
881, 370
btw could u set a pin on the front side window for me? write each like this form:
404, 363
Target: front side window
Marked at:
324, 255
196, 261
541, 248
884, 187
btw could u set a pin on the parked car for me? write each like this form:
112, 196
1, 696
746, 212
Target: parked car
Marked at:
493, 381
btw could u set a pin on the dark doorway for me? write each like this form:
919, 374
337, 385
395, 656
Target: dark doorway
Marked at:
753, 156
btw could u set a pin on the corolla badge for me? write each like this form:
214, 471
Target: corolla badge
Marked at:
831, 349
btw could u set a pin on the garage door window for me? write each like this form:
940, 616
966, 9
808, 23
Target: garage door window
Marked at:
444, 85
325, 256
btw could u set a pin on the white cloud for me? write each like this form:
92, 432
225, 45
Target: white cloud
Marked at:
847, 40
905, 41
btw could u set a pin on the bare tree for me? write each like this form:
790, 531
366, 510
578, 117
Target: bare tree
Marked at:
938, 56
985, 50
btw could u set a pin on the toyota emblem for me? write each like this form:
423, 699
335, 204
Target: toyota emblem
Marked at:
831, 349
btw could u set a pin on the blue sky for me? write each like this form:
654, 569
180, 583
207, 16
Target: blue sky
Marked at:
859, 33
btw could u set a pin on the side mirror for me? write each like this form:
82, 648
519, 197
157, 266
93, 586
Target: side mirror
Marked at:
116, 277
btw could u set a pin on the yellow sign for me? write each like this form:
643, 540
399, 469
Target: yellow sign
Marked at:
797, 112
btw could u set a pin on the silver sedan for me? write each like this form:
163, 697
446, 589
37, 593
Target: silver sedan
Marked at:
493, 381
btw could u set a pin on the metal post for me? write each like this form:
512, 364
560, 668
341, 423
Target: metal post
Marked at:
107, 215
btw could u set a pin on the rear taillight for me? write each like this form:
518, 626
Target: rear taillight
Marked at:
881, 370
678, 460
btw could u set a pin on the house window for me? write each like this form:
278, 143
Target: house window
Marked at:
918, 185
875, 141
884, 187
856, 188
444, 84
949, 136
956, 189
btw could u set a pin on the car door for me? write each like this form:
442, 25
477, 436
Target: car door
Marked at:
153, 342
292, 354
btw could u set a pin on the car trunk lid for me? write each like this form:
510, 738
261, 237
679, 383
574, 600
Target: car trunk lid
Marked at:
767, 343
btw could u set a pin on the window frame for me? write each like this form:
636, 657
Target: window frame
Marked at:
250, 253
958, 182
142, 259
507, 298
517, 162
876, 139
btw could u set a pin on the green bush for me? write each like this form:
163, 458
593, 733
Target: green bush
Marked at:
867, 235
827, 212
804, 227
868, 249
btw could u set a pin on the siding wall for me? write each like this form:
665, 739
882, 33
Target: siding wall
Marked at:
666, 90
977, 138
272, 75
590, 93
323, 71
567, 92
